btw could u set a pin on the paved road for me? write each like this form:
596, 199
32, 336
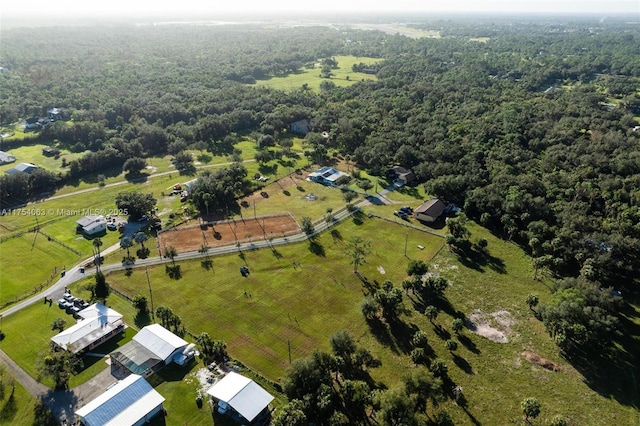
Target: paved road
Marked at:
64, 403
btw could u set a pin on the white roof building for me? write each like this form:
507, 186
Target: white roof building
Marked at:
150, 349
98, 324
161, 342
130, 402
242, 394
92, 224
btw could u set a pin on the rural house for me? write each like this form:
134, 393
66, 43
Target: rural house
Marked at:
27, 168
91, 225
326, 176
151, 349
403, 175
130, 402
301, 126
430, 211
55, 114
96, 325
241, 398
6, 158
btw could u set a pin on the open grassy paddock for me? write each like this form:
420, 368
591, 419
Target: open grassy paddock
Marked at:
341, 76
306, 304
279, 303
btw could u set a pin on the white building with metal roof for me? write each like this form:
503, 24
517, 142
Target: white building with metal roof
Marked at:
237, 394
130, 402
98, 323
150, 349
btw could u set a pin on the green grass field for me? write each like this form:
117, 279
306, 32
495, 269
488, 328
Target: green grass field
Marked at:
19, 408
342, 76
33, 154
306, 304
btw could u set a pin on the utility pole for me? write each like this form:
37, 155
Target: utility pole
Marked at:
150, 293
405, 244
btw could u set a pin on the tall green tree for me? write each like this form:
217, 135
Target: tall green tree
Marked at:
101, 288
135, 203
357, 250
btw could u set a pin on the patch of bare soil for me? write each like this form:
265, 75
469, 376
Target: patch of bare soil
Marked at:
495, 326
186, 238
534, 358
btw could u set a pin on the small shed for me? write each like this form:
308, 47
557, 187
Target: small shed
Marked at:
241, 398
130, 402
50, 151
430, 211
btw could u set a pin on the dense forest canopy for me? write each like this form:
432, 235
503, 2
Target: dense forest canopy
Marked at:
527, 125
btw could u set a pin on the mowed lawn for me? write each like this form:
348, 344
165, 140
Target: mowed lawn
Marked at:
304, 305
278, 304
341, 76
33, 154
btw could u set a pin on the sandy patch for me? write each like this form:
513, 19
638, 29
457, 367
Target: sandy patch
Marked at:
204, 378
495, 326
534, 358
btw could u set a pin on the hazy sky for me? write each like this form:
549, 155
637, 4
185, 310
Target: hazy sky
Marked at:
140, 7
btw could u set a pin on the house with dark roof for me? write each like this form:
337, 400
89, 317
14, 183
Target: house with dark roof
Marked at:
301, 126
27, 168
403, 175
430, 211
50, 151
130, 402
241, 398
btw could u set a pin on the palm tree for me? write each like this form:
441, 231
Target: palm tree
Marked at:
171, 253
431, 312
96, 244
125, 243
140, 238
207, 199
457, 325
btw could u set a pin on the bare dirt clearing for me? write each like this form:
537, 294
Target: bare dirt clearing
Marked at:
186, 238
534, 358
495, 326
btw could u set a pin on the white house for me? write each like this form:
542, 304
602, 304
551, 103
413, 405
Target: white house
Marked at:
92, 225
240, 397
6, 158
98, 323
152, 348
326, 176
130, 402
